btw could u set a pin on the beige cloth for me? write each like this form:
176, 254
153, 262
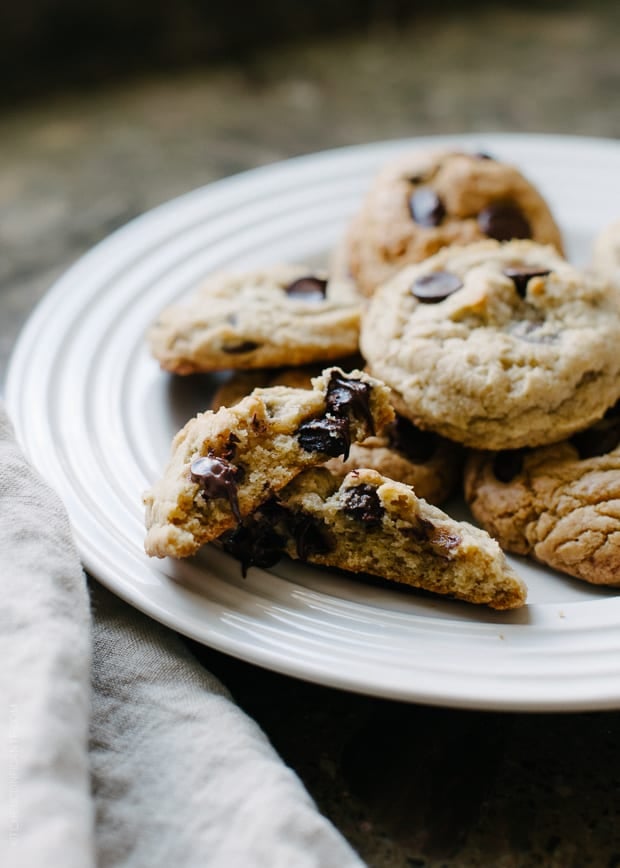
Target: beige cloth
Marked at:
176, 775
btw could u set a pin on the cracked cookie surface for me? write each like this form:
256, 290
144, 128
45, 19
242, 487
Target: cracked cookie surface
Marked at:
559, 504
224, 465
287, 314
367, 523
496, 345
426, 200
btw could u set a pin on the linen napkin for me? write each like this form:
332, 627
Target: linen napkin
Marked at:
175, 774
45, 804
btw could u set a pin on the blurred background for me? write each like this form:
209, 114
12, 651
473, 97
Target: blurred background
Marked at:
110, 107
50, 44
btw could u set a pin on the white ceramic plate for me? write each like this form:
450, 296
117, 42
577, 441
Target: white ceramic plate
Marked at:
96, 416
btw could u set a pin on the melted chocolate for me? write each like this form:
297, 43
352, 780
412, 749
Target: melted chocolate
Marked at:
255, 544
362, 503
217, 478
347, 397
329, 434
521, 276
311, 536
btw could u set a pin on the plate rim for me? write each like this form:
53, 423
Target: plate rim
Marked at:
18, 360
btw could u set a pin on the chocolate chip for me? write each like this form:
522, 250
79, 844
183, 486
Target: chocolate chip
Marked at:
440, 540
345, 398
218, 478
521, 276
254, 543
405, 437
613, 412
532, 332
328, 434
433, 288
348, 397
259, 424
482, 155
599, 439
443, 541
230, 448
503, 221
426, 207
420, 530
508, 464
362, 503
311, 536
264, 551
307, 288
239, 348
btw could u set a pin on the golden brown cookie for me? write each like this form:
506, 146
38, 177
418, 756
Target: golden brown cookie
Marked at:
560, 504
496, 346
225, 464
284, 315
426, 200
428, 462
367, 523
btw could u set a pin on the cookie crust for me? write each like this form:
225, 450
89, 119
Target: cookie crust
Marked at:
559, 509
426, 461
254, 320
460, 195
503, 361
258, 446
367, 523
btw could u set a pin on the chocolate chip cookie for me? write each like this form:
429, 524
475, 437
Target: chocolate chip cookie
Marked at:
423, 459
367, 523
426, 200
225, 464
559, 504
241, 383
496, 345
284, 315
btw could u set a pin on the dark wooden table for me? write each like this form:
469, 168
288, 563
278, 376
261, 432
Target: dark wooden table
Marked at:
407, 785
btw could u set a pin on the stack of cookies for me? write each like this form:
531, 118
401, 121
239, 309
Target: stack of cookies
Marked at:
449, 345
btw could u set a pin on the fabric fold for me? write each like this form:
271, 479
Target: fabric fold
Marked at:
181, 775
175, 774
46, 815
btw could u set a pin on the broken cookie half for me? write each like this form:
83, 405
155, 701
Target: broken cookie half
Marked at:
224, 465
366, 523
